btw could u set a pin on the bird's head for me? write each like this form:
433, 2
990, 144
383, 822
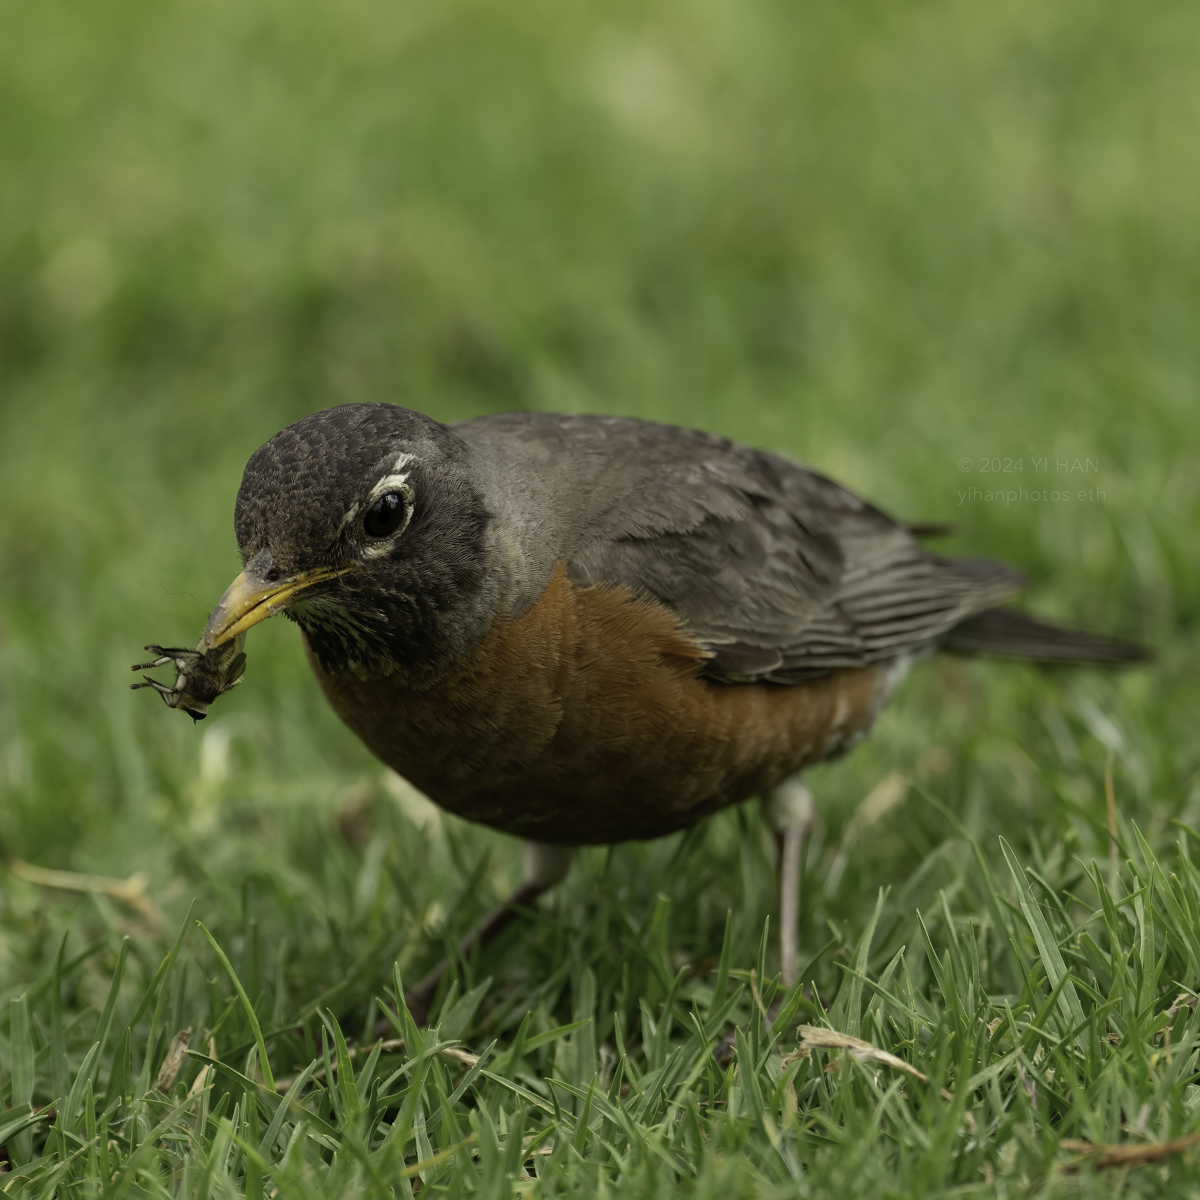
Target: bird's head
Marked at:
361, 524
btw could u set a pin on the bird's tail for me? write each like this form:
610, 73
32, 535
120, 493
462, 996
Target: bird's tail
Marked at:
1006, 633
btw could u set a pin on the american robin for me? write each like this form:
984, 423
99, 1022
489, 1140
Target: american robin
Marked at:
583, 630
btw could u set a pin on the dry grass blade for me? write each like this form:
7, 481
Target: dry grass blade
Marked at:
813, 1037
131, 891
174, 1060
1140, 1154
1182, 1001
206, 1075
388, 1047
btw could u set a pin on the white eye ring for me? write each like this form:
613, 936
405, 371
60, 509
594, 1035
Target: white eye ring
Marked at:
389, 485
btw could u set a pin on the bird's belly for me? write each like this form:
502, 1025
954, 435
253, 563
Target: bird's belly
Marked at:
587, 720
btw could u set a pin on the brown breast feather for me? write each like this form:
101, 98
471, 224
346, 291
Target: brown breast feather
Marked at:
587, 720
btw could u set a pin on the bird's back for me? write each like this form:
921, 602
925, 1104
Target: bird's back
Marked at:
777, 571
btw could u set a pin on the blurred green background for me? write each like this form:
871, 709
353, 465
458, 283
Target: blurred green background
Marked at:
893, 240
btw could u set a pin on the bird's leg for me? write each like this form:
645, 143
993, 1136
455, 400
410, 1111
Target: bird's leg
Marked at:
790, 811
544, 866
791, 814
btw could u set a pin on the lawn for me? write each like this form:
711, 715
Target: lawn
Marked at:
949, 253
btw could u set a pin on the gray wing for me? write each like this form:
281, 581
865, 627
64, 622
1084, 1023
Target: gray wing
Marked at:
778, 571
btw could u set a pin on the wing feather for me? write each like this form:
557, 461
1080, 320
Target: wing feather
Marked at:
779, 572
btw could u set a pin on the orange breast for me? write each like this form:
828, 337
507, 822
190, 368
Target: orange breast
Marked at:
587, 720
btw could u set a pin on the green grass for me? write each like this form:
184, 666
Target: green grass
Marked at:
894, 240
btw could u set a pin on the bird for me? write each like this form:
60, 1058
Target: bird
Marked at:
583, 630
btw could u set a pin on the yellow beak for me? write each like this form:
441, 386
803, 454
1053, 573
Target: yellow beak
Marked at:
251, 598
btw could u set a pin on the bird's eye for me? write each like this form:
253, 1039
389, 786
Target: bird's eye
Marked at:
385, 516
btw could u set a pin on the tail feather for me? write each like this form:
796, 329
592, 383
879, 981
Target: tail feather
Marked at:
1006, 633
